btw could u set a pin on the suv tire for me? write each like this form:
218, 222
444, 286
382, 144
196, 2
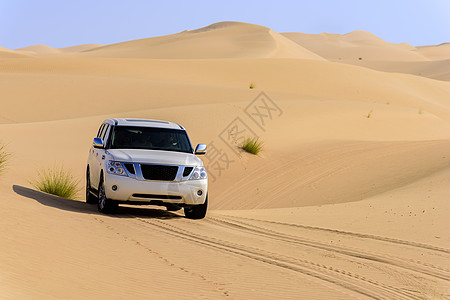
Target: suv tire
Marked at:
105, 205
196, 211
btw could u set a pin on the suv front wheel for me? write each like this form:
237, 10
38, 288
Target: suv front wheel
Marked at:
105, 205
196, 211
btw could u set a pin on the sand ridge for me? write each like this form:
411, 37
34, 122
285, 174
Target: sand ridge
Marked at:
44, 50
366, 49
355, 45
435, 52
222, 40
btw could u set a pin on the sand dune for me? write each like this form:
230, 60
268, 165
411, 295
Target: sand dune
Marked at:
44, 50
365, 49
80, 87
348, 199
435, 52
437, 69
80, 48
220, 40
8, 53
38, 50
335, 173
355, 46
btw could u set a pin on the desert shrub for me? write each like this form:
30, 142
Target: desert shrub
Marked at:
252, 86
57, 181
252, 145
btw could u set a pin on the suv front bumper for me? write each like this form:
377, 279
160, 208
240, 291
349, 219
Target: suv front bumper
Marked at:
133, 190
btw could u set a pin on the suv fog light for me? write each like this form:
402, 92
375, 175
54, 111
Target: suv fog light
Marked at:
114, 188
199, 192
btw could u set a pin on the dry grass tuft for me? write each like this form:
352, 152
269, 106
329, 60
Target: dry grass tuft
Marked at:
252, 145
57, 181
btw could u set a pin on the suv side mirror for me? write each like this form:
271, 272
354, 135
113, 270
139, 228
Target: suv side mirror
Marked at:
98, 143
200, 149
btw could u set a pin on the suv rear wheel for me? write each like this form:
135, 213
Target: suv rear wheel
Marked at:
105, 205
196, 211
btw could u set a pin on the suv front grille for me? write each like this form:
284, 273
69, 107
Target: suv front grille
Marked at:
159, 172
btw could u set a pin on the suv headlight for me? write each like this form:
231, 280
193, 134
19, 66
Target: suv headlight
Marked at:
117, 168
198, 173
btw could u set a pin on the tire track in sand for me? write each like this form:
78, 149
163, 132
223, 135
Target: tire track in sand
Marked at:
411, 265
354, 234
347, 280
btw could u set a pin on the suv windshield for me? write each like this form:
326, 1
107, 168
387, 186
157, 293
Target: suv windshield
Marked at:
131, 137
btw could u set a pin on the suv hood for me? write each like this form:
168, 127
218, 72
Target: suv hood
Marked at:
154, 157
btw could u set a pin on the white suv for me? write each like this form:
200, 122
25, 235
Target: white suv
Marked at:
135, 161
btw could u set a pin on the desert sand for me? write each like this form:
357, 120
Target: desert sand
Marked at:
348, 199
365, 49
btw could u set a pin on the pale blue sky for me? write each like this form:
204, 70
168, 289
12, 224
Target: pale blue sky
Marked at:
63, 23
